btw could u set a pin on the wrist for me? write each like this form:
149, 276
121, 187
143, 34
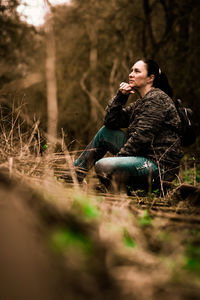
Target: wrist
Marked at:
121, 96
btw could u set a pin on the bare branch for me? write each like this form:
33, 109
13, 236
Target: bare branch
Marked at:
112, 76
92, 98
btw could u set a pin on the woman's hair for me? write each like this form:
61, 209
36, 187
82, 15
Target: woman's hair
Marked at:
160, 80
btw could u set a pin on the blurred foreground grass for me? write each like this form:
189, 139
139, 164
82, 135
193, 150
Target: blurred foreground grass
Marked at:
65, 241
99, 245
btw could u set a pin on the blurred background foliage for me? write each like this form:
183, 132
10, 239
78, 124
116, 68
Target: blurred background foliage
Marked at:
96, 44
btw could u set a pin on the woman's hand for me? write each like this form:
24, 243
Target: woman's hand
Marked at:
125, 88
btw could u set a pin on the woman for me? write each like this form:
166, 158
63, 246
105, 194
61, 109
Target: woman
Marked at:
150, 150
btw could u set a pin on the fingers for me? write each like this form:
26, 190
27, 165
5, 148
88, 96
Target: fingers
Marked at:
125, 88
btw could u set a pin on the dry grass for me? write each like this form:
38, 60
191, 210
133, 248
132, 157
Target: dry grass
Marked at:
103, 246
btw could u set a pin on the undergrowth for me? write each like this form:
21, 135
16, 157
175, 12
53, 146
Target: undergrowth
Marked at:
113, 234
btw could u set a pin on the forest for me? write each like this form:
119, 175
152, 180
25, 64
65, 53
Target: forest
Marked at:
70, 241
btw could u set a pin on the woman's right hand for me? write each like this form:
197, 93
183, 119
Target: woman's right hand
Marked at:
125, 88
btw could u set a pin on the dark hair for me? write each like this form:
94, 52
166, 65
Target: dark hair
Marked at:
160, 80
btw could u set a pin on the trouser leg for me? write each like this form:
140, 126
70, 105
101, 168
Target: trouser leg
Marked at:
124, 172
105, 140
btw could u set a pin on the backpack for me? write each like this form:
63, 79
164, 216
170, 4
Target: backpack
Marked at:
187, 130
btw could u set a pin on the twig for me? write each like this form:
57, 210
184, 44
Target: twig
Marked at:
92, 98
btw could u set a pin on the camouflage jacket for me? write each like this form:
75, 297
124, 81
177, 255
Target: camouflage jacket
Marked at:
153, 123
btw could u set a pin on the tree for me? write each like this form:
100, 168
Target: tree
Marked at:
96, 44
90, 38
15, 42
52, 106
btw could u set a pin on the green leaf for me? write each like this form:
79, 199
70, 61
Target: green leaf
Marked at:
84, 205
146, 219
192, 256
63, 238
44, 147
128, 240
90, 211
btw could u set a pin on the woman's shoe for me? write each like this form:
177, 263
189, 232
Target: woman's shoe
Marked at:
66, 174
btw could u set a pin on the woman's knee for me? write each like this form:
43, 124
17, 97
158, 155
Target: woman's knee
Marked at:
110, 166
101, 135
103, 130
108, 133
103, 167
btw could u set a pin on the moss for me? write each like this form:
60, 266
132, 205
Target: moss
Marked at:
65, 238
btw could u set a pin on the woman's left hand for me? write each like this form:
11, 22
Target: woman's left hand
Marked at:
125, 88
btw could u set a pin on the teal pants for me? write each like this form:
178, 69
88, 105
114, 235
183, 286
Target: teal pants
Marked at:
135, 172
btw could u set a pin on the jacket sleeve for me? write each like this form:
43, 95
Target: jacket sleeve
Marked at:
116, 116
144, 128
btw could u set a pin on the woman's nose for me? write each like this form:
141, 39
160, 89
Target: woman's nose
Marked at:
131, 74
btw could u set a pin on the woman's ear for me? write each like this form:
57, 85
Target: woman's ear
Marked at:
151, 78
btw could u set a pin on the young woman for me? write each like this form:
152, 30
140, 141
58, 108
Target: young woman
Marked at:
150, 150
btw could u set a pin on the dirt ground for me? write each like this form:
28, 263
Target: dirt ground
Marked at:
69, 243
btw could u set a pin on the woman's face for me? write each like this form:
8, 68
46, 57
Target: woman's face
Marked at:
138, 78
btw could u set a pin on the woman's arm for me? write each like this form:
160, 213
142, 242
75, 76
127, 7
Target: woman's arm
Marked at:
145, 127
116, 116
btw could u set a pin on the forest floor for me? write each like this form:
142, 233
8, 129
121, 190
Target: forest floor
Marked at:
65, 239
163, 234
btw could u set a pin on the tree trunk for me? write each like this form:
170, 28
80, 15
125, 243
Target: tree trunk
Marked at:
52, 107
93, 58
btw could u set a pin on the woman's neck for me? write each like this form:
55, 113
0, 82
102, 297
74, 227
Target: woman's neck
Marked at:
144, 90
